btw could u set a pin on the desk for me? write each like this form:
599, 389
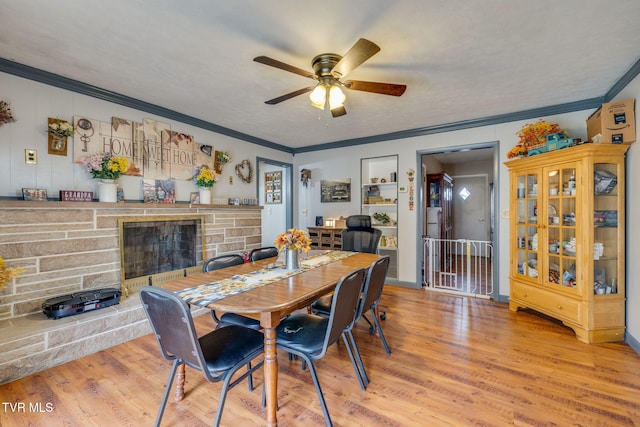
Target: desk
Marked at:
271, 302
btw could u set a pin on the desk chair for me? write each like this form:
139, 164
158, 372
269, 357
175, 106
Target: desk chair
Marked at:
308, 336
218, 354
359, 236
262, 253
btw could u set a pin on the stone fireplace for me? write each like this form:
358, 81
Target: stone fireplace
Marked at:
69, 247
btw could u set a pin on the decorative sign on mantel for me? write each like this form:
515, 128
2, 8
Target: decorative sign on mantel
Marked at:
76, 196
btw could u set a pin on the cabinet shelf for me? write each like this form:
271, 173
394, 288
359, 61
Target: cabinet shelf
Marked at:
578, 289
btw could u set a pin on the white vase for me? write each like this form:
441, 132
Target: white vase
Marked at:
205, 195
108, 190
291, 260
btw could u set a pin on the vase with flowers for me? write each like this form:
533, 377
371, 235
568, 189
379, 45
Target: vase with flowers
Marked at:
7, 273
205, 178
107, 169
222, 158
293, 241
533, 136
59, 131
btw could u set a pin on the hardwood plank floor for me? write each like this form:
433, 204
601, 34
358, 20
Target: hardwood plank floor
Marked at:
456, 361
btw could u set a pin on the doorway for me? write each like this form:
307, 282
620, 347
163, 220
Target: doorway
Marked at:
275, 195
461, 262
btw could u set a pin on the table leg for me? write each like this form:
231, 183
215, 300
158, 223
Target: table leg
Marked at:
271, 374
180, 377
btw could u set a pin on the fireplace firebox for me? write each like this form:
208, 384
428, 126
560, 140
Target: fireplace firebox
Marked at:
157, 249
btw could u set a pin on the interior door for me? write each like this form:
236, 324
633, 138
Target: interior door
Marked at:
471, 216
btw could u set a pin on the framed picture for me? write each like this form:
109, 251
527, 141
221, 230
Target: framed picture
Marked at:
34, 194
194, 197
273, 187
335, 190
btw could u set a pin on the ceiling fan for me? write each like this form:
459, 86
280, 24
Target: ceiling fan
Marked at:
329, 69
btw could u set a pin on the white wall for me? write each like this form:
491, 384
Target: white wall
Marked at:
32, 103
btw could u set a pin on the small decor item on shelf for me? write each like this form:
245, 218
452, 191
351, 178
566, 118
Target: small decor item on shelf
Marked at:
533, 136
5, 114
204, 179
382, 218
107, 168
7, 273
293, 241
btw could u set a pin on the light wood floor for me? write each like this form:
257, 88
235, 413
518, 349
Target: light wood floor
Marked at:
456, 361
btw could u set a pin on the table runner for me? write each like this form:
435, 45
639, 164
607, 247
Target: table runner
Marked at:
203, 295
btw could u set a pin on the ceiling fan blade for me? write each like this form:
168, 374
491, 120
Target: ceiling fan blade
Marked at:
289, 95
375, 87
338, 111
286, 67
360, 52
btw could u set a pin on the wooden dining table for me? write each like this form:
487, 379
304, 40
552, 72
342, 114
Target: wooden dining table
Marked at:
270, 303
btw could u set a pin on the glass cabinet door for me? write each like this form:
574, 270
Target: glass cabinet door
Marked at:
606, 237
527, 225
561, 226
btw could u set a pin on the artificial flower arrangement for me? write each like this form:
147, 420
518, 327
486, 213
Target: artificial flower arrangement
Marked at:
7, 273
105, 165
5, 114
533, 136
206, 177
294, 239
61, 129
224, 157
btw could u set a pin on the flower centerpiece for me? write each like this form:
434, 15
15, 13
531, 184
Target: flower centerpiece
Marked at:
105, 165
223, 157
533, 136
293, 241
7, 273
61, 129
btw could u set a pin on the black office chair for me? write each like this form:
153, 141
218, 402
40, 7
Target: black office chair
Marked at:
262, 253
359, 236
224, 261
308, 335
370, 298
218, 354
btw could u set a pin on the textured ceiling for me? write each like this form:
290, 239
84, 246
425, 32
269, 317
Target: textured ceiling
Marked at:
461, 60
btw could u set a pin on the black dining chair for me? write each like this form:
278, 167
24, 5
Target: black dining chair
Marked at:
369, 300
217, 263
308, 336
360, 236
222, 261
263, 253
218, 354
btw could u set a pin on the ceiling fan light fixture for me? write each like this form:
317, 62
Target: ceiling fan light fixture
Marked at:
318, 95
336, 96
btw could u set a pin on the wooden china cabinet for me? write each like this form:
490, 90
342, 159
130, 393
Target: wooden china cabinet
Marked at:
567, 231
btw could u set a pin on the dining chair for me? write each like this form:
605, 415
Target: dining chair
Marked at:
369, 300
308, 336
359, 236
218, 354
262, 253
217, 263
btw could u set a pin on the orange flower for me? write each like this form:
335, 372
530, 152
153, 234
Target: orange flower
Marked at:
294, 239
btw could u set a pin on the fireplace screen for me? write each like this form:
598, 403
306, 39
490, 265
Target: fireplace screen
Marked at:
151, 246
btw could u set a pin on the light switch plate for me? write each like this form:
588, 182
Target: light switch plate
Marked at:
31, 156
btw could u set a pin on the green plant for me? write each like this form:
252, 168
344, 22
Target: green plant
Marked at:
382, 218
